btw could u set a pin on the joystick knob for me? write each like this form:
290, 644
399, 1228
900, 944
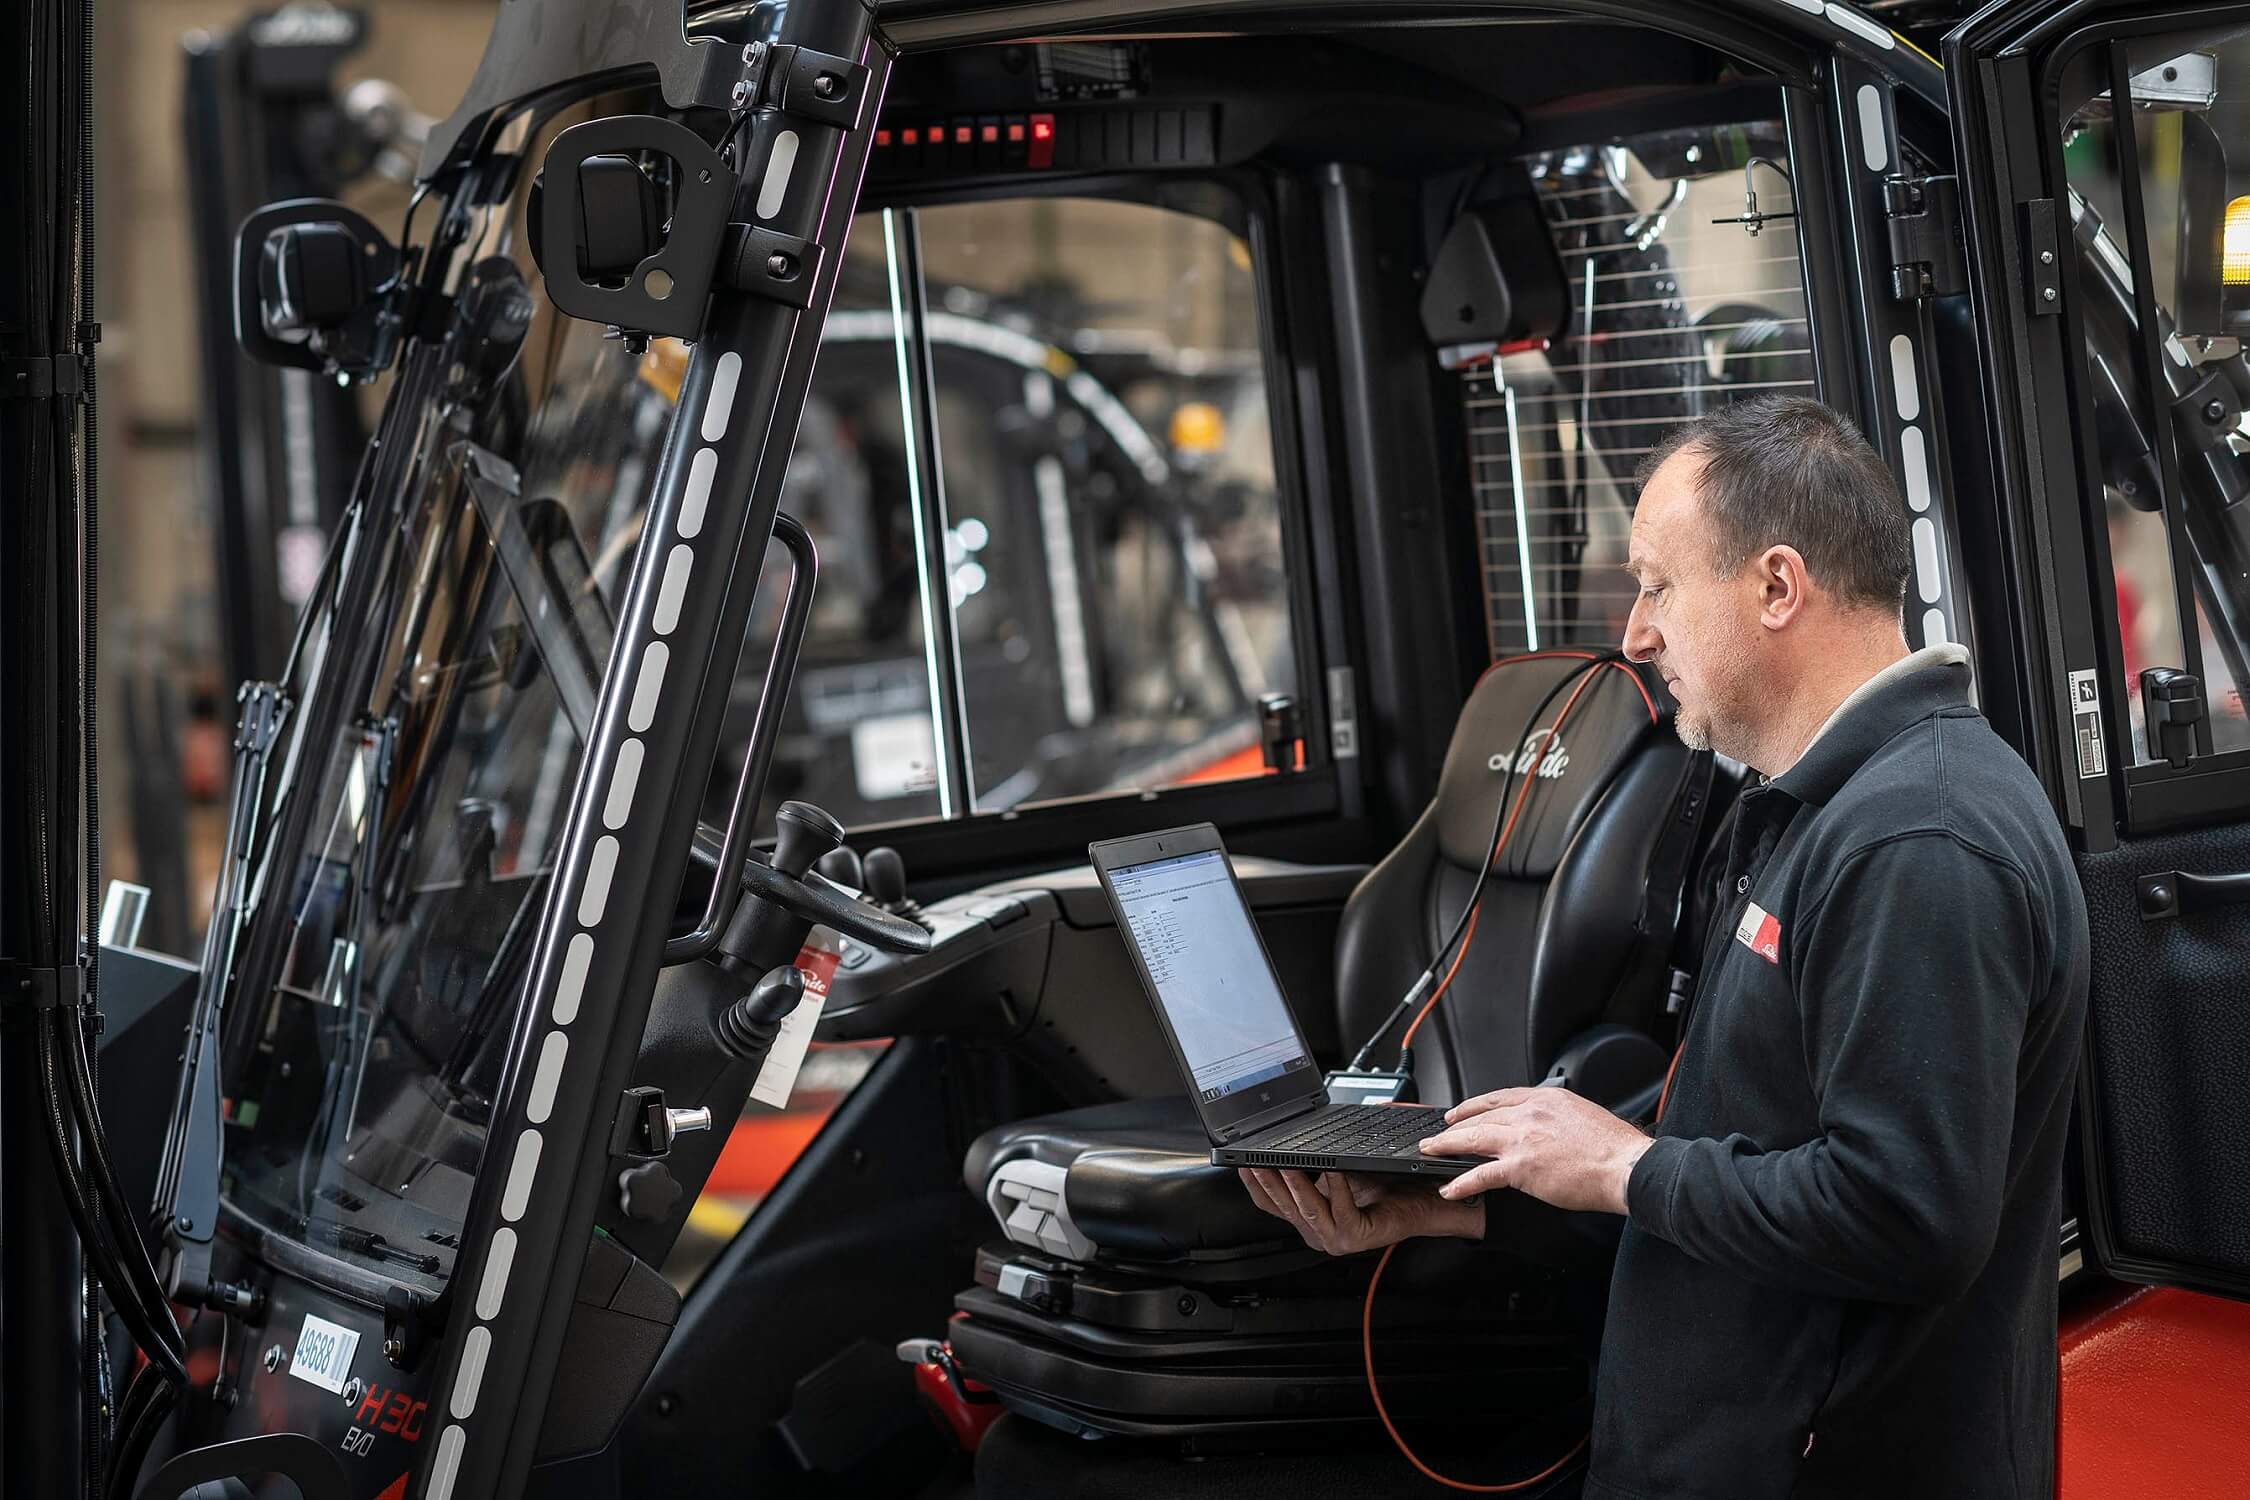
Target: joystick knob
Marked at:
886, 878
748, 1027
802, 834
842, 865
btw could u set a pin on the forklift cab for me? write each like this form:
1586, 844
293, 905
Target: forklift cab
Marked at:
974, 431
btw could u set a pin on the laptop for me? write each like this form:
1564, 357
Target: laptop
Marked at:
1263, 1102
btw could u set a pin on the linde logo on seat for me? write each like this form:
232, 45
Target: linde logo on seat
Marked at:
1551, 755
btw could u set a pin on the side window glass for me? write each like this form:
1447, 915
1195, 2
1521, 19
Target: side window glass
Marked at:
1113, 550
858, 737
2175, 460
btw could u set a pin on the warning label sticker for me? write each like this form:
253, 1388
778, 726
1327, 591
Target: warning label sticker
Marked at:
2086, 719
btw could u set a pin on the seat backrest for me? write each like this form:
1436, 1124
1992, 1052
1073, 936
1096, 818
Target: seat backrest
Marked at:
1555, 935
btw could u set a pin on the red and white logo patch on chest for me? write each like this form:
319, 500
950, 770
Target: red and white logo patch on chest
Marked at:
1760, 932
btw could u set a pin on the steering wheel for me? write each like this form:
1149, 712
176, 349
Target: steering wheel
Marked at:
802, 834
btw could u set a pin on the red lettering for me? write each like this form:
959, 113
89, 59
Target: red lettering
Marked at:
411, 1428
370, 1407
395, 1413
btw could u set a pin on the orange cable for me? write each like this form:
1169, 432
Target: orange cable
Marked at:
1367, 1351
1468, 935
1507, 831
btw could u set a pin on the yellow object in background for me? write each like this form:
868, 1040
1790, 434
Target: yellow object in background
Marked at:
2234, 244
1197, 426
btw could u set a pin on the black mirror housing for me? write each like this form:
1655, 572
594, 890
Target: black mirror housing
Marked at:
312, 285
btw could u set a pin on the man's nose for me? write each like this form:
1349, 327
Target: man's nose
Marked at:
1642, 640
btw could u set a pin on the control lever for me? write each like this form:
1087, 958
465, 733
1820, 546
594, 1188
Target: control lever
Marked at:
886, 885
842, 865
747, 1027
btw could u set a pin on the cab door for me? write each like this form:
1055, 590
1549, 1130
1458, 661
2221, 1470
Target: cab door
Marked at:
2105, 185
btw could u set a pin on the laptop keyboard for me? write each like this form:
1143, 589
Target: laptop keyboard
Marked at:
1359, 1130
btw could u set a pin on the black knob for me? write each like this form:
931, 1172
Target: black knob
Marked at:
748, 1027
802, 834
842, 866
886, 877
648, 1192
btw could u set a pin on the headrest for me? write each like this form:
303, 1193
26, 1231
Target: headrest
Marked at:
1611, 717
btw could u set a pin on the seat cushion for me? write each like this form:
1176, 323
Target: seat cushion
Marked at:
1138, 1180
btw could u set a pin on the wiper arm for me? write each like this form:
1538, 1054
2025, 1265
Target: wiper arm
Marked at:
187, 1180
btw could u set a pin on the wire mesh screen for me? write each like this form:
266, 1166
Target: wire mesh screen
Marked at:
1671, 315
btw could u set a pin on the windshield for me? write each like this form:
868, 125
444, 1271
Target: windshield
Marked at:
365, 1050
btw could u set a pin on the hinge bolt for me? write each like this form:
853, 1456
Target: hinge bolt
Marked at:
778, 265
2214, 411
753, 51
827, 85
741, 96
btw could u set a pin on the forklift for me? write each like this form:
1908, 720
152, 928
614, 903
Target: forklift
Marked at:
492, 968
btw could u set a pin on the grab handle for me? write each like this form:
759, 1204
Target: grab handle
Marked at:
2172, 893
765, 730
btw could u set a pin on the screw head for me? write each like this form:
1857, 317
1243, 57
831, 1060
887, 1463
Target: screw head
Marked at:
352, 1390
274, 1357
394, 1348
184, 1224
752, 52
2214, 411
779, 265
741, 96
2047, 294
2046, 257
667, 1404
827, 85
1188, 1304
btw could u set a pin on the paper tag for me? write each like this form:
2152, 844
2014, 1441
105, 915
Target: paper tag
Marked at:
817, 962
324, 1353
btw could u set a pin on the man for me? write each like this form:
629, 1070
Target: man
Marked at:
1837, 1272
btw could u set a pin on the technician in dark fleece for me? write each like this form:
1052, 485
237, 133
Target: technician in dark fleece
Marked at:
1837, 1274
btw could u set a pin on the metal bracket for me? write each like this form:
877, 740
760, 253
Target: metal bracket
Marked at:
43, 377
2042, 258
768, 263
30, 987
1923, 217
816, 86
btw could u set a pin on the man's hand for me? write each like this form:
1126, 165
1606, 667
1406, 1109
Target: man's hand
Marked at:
1548, 1142
1342, 1213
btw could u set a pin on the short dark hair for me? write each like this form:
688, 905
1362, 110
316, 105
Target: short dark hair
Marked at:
1786, 470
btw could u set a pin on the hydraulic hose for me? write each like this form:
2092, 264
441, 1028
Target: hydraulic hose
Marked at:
167, 1354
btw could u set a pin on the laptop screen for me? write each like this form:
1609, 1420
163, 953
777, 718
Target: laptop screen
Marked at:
1187, 919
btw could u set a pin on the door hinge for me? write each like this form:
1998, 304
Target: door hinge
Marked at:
1923, 216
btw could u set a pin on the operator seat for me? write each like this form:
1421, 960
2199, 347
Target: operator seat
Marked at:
1563, 972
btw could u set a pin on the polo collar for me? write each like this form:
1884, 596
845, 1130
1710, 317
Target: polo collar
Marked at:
1914, 688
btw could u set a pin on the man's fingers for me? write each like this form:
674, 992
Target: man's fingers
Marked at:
1472, 1138
1260, 1194
1483, 1103
1312, 1207
1478, 1179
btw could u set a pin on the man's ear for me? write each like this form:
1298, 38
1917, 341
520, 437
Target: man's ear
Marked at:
1784, 585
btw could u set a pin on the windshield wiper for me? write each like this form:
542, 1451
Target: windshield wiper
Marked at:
187, 1179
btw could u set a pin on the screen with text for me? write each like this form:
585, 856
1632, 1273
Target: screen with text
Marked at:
1188, 921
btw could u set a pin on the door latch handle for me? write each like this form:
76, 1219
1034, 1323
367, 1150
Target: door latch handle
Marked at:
2172, 893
